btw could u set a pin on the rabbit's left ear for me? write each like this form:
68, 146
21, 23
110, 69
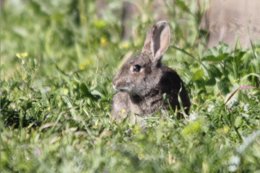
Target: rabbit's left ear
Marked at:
157, 40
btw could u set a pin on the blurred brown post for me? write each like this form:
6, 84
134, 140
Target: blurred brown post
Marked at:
2, 3
131, 10
100, 6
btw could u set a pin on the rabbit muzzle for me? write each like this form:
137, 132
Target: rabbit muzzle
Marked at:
121, 86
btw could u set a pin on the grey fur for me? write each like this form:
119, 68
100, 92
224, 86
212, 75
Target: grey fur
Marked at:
142, 82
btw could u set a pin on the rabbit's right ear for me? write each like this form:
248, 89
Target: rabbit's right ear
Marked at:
157, 40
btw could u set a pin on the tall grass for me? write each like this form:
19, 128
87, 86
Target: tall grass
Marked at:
57, 62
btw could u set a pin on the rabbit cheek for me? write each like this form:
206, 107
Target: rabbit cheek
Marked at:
138, 83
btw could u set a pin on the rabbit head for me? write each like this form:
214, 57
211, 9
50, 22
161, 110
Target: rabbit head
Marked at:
142, 72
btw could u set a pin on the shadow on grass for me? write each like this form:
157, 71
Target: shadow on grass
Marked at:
14, 118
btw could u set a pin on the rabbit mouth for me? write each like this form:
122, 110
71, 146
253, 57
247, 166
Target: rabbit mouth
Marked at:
121, 89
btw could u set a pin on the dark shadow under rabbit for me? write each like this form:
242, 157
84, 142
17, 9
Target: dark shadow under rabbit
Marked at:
144, 85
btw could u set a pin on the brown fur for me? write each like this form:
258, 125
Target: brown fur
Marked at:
142, 92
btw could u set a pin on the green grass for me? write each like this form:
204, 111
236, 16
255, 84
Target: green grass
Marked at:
57, 64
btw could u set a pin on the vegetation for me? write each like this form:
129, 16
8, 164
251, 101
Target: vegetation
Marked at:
57, 63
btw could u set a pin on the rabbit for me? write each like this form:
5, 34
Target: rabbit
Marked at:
144, 85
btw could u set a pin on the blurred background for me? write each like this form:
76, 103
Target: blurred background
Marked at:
78, 34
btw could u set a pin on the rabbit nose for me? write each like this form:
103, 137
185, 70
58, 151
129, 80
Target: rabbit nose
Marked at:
117, 85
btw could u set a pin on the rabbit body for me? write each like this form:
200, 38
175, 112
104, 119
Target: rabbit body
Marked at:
144, 85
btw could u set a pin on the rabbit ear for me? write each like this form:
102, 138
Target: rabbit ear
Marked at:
157, 40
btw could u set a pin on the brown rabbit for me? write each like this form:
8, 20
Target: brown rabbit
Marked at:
144, 85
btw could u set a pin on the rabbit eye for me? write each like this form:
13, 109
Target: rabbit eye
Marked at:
136, 68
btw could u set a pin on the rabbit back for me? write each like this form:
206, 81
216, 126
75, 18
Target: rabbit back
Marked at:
172, 85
